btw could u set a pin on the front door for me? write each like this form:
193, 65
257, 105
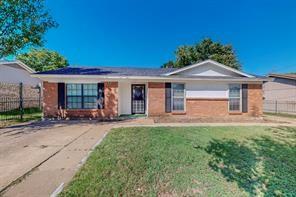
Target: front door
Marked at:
138, 99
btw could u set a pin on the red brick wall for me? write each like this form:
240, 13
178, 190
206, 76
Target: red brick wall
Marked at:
156, 102
50, 99
219, 107
203, 107
255, 100
156, 98
110, 110
206, 107
111, 99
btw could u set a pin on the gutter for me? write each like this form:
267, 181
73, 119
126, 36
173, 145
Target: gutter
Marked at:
104, 77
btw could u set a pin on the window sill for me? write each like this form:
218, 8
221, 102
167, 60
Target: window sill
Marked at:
83, 109
235, 113
178, 112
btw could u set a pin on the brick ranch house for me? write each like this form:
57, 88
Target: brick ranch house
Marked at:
204, 89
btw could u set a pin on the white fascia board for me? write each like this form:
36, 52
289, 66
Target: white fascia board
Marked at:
96, 78
212, 62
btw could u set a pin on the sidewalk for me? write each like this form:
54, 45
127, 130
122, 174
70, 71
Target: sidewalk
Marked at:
267, 121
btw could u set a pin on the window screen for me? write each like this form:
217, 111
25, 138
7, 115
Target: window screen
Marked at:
234, 97
90, 94
74, 96
82, 96
178, 91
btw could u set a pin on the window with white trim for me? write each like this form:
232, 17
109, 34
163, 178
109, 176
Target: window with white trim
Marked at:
178, 96
234, 97
82, 96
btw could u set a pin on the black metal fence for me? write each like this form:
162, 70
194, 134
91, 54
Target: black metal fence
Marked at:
20, 108
285, 107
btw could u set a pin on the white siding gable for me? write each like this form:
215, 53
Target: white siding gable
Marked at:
206, 90
208, 69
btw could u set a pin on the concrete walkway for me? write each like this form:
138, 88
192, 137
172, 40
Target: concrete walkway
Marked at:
37, 159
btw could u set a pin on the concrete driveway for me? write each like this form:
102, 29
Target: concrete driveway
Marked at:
32, 155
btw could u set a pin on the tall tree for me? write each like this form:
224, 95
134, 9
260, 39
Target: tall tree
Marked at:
22, 24
43, 59
206, 49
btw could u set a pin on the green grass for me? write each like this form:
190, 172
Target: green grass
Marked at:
281, 115
13, 116
190, 161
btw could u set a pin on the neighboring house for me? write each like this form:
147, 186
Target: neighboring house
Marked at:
12, 73
280, 94
16, 72
207, 88
281, 87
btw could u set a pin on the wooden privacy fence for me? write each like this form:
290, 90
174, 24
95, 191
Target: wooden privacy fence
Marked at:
274, 106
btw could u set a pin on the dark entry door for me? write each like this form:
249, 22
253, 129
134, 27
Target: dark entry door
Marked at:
138, 99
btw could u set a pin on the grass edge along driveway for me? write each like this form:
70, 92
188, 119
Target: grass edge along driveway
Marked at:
190, 161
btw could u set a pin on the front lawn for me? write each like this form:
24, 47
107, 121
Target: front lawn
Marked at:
13, 116
190, 161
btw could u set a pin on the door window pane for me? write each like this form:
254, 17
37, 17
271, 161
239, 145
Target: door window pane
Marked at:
138, 99
138, 93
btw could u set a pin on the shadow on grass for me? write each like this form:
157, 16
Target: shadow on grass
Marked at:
260, 166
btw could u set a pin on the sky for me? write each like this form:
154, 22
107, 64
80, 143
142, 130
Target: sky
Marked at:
145, 33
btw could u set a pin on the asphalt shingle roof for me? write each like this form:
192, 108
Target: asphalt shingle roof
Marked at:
284, 76
131, 72
109, 71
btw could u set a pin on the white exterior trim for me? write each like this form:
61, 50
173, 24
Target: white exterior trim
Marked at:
211, 62
215, 90
63, 78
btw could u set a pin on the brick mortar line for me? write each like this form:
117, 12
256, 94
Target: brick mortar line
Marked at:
22, 177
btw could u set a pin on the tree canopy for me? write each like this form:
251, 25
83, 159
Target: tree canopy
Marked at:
206, 49
22, 24
43, 59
